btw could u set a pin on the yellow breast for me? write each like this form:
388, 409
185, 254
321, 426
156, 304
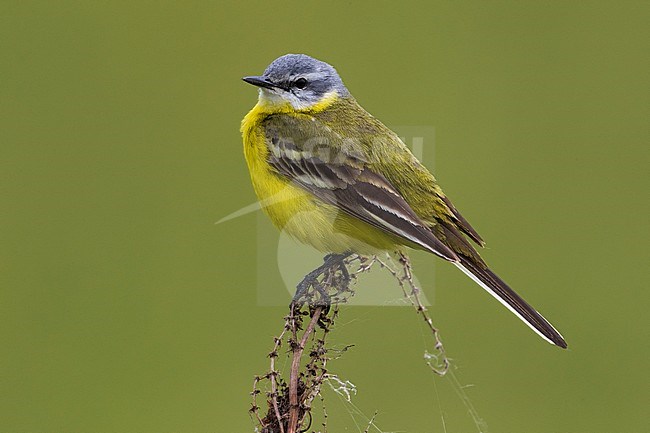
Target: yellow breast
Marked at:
296, 211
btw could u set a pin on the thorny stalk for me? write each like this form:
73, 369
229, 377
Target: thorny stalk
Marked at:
440, 363
294, 407
318, 298
370, 422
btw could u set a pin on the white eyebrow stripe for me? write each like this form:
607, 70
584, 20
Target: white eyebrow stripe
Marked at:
309, 75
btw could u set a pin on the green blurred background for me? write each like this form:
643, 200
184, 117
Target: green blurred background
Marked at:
124, 308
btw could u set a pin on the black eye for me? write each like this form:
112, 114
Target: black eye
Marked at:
300, 83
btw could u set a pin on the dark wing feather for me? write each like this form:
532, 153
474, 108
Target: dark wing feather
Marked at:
462, 223
359, 192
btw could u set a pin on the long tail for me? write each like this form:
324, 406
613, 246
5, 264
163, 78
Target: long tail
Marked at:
504, 294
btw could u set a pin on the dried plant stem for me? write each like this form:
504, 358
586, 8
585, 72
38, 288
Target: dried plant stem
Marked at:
318, 296
274, 388
440, 364
294, 407
370, 422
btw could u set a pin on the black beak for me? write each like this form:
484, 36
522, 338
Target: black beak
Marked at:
260, 82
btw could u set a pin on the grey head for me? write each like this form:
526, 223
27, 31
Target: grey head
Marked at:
298, 79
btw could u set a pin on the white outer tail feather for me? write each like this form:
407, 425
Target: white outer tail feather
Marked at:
509, 307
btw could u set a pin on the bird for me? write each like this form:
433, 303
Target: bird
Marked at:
331, 175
